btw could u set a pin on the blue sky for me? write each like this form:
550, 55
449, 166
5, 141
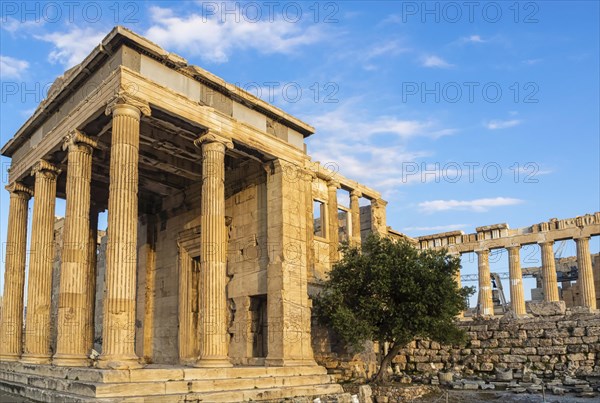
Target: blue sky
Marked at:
461, 114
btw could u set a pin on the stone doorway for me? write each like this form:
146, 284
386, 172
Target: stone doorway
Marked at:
259, 326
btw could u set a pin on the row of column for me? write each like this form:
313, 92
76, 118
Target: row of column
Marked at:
77, 282
549, 278
378, 225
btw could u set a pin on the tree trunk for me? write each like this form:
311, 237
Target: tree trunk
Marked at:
382, 375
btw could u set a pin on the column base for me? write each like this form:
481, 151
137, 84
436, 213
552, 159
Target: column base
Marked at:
29, 358
213, 362
282, 362
119, 362
9, 357
71, 360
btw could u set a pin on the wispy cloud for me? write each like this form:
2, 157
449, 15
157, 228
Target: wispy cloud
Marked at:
11, 67
435, 62
369, 57
214, 40
370, 149
477, 205
14, 25
73, 46
502, 124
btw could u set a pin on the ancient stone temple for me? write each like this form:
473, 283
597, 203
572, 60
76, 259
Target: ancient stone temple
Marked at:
219, 224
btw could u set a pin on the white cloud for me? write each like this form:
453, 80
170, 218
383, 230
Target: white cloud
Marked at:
350, 120
436, 62
477, 205
472, 39
502, 124
437, 228
370, 149
14, 26
214, 40
71, 47
11, 67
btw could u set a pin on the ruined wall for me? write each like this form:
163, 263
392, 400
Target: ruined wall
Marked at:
100, 291
550, 345
59, 226
570, 291
245, 207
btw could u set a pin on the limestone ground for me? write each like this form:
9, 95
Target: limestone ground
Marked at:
8, 398
461, 396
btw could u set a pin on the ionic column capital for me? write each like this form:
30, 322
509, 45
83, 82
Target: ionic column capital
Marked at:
46, 168
212, 136
18, 188
75, 138
355, 193
379, 202
332, 183
310, 174
126, 104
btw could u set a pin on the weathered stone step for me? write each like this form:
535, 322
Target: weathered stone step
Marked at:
256, 394
207, 385
232, 396
150, 374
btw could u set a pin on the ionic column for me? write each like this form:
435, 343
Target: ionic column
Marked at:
355, 214
378, 217
486, 305
586, 276
333, 221
214, 338
39, 285
118, 332
73, 299
11, 325
549, 281
517, 297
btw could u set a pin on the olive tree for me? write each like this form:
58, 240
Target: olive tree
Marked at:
389, 291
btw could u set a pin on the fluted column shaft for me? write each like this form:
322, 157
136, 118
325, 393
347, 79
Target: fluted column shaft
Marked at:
11, 326
486, 305
333, 221
39, 285
517, 297
355, 214
549, 281
118, 333
214, 338
73, 301
586, 275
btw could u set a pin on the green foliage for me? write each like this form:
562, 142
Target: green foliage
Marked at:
390, 291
